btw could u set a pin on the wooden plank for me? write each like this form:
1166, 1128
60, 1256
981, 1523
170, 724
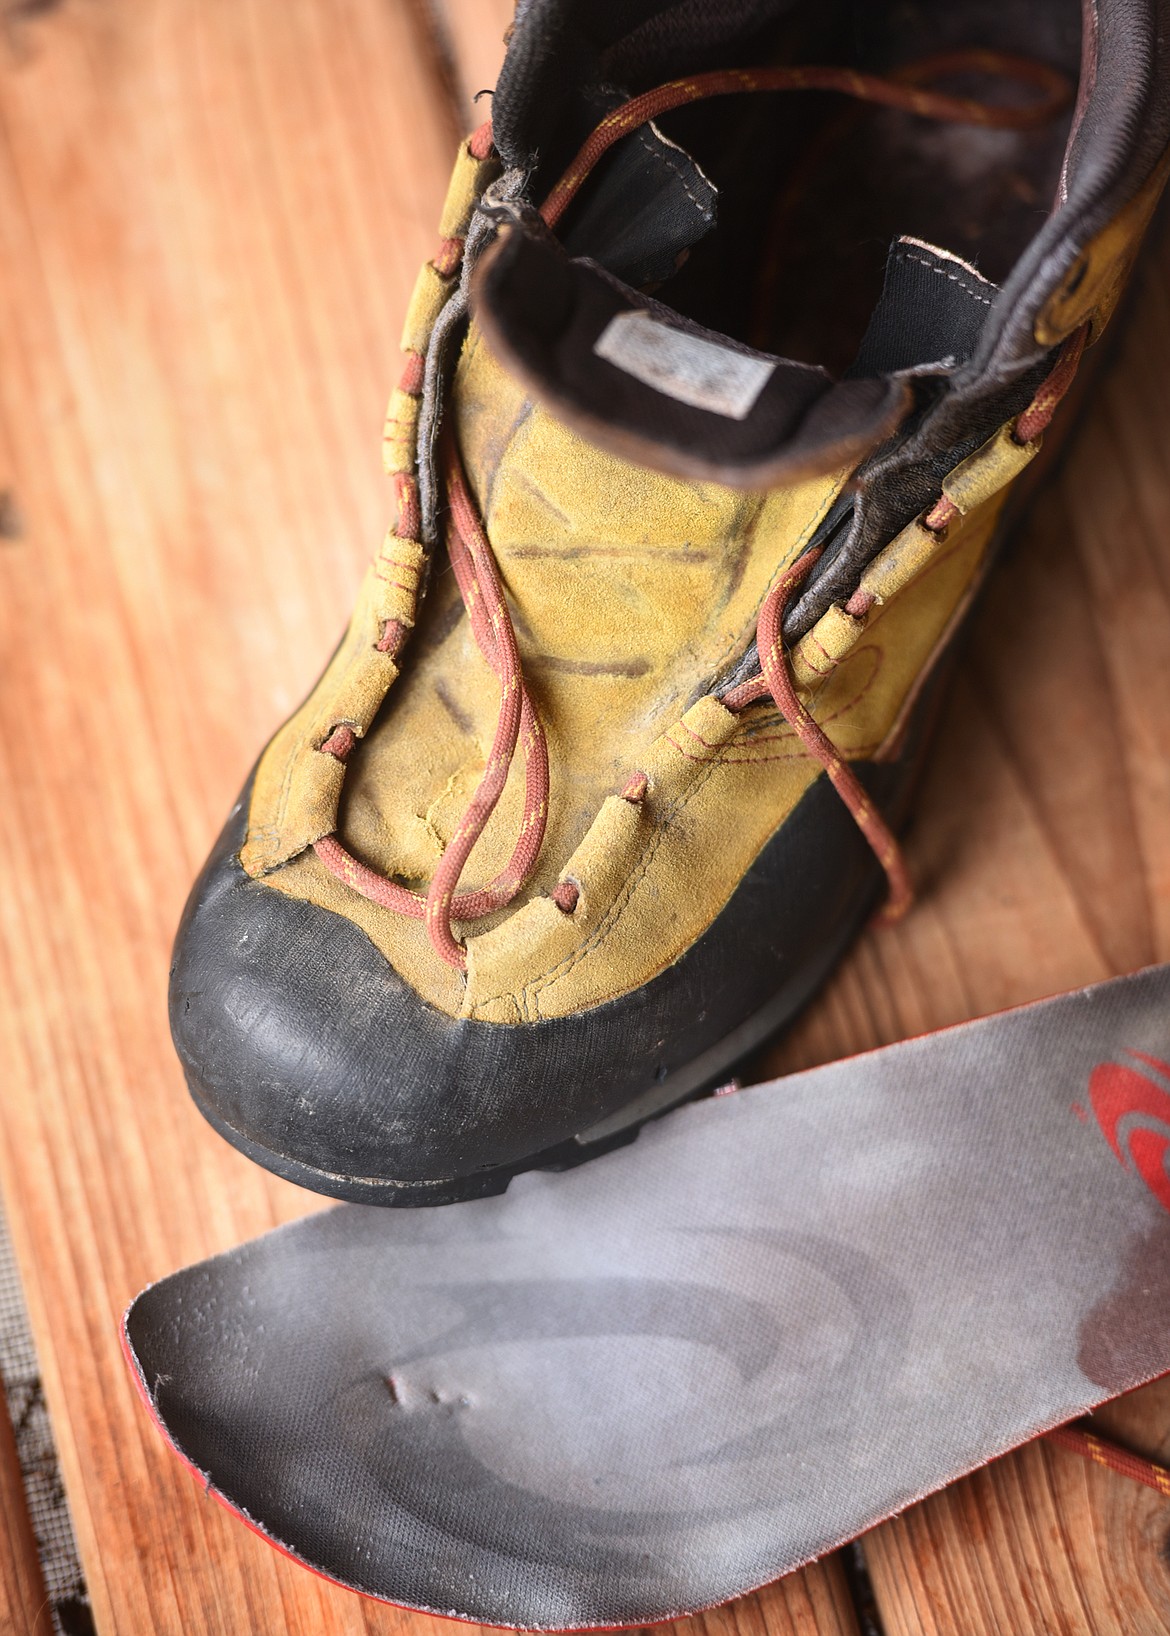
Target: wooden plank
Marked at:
210, 218
208, 235
1041, 1541
205, 252
24, 1607
472, 33
1042, 847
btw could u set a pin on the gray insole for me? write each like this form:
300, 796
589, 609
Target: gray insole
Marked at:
656, 1382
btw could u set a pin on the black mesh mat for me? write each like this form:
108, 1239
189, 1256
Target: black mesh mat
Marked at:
48, 1508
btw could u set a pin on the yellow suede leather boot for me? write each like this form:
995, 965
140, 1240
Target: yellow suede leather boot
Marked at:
608, 769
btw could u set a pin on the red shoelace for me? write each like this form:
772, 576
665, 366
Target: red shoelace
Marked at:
1103, 1451
899, 90
776, 679
483, 596
477, 574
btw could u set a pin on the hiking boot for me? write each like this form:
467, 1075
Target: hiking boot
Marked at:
714, 394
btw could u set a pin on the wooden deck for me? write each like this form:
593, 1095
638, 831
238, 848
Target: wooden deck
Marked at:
210, 217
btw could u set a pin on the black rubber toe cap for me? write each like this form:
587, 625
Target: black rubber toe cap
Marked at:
299, 1037
308, 1051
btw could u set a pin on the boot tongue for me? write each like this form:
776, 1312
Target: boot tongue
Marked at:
644, 383
639, 380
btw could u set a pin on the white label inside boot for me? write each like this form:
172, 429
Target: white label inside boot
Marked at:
686, 367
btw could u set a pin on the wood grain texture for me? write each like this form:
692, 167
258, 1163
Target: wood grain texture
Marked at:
24, 1609
210, 217
208, 231
471, 33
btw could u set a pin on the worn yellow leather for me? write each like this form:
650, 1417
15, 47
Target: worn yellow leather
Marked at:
652, 875
399, 435
630, 591
972, 485
823, 647
469, 179
1093, 284
719, 788
992, 467
899, 562
625, 614
430, 293
296, 790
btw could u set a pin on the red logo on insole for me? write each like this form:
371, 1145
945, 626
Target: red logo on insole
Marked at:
1133, 1098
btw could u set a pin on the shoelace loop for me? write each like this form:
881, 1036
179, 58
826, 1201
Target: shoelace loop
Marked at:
776, 679
479, 584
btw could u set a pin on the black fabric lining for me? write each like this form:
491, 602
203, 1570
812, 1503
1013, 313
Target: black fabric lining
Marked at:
543, 314
645, 208
931, 312
560, 47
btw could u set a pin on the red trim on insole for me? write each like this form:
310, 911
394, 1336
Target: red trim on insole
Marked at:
462, 1619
